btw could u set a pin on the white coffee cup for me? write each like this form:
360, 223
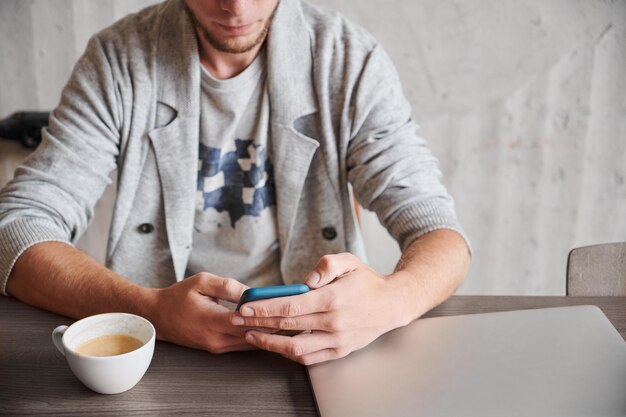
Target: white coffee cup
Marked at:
107, 374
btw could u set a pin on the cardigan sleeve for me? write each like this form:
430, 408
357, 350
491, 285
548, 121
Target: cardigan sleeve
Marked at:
53, 193
390, 167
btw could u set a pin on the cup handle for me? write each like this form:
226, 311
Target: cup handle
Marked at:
57, 336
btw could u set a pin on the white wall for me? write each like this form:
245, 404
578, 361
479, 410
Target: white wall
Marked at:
523, 101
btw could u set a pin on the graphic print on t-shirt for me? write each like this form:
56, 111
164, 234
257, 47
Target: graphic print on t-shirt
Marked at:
240, 182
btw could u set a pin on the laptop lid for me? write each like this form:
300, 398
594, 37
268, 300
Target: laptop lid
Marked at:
567, 361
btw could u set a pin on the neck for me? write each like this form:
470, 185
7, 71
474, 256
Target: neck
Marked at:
224, 65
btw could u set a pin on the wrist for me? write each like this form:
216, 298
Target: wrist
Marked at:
411, 300
146, 303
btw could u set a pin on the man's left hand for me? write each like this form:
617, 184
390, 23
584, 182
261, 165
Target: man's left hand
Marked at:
350, 305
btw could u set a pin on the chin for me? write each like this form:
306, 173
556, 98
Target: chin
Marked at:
237, 44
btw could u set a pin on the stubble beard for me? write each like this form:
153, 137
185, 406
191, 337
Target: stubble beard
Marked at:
232, 46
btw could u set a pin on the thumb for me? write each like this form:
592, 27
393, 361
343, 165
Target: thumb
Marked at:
228, 289
331, 267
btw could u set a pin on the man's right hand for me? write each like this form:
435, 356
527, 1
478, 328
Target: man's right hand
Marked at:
187, 313
57, 277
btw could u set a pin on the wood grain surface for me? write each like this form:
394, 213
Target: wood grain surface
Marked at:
35, 380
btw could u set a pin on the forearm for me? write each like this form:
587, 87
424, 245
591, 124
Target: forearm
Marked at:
59, 278
430, 270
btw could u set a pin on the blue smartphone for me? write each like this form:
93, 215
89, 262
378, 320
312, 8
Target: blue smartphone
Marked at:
262, 293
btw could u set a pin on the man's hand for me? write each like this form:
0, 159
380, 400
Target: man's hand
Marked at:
187, 313
351, 306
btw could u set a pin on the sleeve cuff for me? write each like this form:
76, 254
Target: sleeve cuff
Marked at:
21, 234
416, 220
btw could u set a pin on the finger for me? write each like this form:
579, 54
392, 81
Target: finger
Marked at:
330, 267
222, 322
219, 287
241, 348
316, 321
292, 347
228, 343
322, 356
241, 331
319, 301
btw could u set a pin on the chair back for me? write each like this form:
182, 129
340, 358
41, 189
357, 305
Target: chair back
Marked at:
597, 270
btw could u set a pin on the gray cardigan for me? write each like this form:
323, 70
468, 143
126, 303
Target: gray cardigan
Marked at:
338, 117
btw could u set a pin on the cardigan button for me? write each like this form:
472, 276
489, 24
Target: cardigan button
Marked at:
146, 228
329, 233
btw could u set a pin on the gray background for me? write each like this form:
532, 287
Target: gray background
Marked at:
523, 101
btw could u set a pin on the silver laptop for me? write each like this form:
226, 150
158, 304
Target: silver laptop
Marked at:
553, 362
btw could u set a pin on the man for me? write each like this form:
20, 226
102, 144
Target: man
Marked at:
235, 127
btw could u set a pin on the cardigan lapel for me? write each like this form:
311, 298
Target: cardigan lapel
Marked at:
176, 144
290, 83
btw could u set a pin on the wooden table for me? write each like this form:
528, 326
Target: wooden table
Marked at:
35, 380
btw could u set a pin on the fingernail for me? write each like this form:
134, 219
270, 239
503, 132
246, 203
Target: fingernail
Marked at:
313, 279
237, 321
246, 311
250, 336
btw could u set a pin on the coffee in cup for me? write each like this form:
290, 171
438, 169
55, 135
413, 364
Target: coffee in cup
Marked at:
109, 353
109, 345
